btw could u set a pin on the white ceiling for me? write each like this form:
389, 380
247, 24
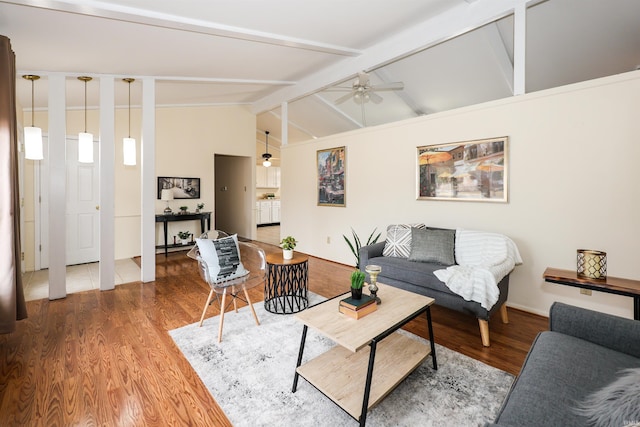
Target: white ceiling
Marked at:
448, 53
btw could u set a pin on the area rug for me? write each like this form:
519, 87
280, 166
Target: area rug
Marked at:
250, 375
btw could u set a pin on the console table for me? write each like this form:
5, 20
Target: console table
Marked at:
166, 219
610, 285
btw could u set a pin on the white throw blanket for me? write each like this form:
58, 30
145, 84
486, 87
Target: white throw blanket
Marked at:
484, 259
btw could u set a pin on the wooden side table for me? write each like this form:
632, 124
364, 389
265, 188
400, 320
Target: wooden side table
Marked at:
286, 288
610, 285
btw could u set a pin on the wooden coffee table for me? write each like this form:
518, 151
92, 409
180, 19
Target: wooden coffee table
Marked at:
342, 373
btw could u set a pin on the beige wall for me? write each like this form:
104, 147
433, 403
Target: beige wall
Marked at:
186, 141
573, 157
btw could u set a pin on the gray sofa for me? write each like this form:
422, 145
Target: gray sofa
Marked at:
418, 277
583, 353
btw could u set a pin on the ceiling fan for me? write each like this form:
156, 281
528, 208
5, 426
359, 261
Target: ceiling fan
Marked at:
362, 91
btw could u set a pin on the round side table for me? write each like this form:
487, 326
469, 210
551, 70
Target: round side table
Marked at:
285, 290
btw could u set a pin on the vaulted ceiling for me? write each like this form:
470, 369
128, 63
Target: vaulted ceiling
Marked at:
263, 53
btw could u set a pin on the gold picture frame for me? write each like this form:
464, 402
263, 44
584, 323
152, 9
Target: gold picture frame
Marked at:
331, 189
475, 170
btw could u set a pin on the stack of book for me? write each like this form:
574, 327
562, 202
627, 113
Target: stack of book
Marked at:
357, 308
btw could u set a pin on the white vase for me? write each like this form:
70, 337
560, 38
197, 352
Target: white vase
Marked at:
287, 253
184, 241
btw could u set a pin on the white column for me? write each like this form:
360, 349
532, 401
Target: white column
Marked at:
285, 123
519, 48
57, 187
107, 182
147, 162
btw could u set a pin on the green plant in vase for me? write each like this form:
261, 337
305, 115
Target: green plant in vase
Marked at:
356, 245
184, 236
287, 244
199, 207
183, 209
357, 282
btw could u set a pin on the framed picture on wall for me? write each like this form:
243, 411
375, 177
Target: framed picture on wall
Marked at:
469, 171
183, 188
331, 179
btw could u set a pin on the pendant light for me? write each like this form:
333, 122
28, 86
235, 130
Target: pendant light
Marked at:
85, 140
266, 156
129, 144
32, 134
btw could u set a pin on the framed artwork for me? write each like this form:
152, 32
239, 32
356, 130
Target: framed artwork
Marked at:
467, 171
183, 188
331, 180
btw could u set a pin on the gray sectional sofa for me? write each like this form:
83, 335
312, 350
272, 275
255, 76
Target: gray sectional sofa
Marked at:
584, 371
404, 272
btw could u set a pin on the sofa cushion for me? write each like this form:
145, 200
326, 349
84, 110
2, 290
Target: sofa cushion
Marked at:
398, 243
432, 245
222, 258
419, 274
559, 372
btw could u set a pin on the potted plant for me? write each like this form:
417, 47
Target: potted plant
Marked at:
355, 246
183, 209
287, 244
199, 206
184, 236
357, 281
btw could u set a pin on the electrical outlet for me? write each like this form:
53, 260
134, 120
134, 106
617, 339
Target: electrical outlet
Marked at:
585, 292
328, 240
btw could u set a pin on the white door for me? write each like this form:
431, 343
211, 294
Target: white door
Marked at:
83, 200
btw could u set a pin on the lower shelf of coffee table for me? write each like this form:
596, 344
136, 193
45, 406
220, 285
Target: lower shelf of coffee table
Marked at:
341, 374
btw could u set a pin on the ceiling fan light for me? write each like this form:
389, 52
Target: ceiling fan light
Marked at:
85, 147
266, 163
33, 143
129, 151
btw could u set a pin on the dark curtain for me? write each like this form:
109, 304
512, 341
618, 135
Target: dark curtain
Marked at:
12, 304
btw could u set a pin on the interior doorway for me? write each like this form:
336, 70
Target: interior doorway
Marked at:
234, 195
82, 208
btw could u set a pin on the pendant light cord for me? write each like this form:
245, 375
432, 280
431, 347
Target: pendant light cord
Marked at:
129, 109
32, 102
85, 106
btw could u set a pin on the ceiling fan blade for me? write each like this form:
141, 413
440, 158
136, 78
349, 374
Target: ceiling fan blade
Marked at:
389, 86
338, 89
343, 98
375, 98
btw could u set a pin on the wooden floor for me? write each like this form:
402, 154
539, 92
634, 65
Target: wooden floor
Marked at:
106, 358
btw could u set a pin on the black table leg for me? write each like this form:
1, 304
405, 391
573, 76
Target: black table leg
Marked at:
431, 339
295, 377
636, 308
367, 385
166, 231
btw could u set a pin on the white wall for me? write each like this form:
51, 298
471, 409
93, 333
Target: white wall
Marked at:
573, 159
186, 141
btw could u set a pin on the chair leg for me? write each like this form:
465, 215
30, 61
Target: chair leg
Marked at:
503, 313
235, 303
484, 332
246, 294
222, 306
204, 311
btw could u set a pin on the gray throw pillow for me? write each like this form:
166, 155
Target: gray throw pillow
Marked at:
433, 246
616, 404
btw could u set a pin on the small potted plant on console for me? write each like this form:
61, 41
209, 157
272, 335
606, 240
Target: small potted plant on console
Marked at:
184, 237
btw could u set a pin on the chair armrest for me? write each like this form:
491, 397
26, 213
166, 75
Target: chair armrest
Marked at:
607, 330
368, 252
